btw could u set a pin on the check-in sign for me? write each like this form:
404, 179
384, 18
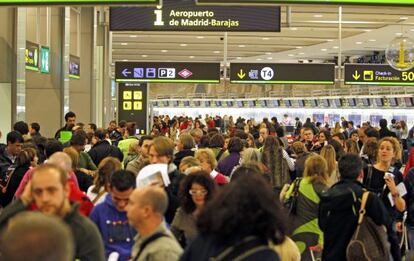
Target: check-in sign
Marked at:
376, 74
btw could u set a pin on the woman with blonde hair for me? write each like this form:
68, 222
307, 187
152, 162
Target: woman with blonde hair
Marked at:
329, 154
84, 180
351, 147
306, 232
208, 163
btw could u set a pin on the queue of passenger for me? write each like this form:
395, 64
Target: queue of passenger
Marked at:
223, 190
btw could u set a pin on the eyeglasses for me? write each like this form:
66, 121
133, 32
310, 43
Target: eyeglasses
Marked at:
201, 192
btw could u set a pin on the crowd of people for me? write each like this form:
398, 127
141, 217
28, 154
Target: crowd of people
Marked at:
236, 190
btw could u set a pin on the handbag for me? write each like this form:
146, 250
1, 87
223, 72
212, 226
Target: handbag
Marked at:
291, 202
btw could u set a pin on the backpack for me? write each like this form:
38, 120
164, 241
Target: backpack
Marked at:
369, 241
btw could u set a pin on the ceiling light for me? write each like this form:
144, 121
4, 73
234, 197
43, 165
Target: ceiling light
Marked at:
318, 16
164, 51
329, 40
291, 55
144, 56
270, 58
242, 45
238, 58
336, 47
299, 47
412, 30
293, 28
398, 34
259, 59
324, 50
358, 43
403, 18
183, 45
216, 52
372, 40
125, 60
191, 57
124, 43
268, 53
367, 30
200, 37
133, 36
265, 38
301, 53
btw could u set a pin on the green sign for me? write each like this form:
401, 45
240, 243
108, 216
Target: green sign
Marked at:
377, 74
78, 2
44, 59
349, 2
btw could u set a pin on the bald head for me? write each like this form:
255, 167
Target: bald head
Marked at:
154, 197
61, 160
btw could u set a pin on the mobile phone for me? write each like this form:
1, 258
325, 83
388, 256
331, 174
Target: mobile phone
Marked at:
388, 174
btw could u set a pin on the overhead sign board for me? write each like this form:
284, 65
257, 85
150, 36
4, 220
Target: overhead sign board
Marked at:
80, 2
44, 59
282, 73
377, 74
167, 72
185, 15
314, 2
32, 56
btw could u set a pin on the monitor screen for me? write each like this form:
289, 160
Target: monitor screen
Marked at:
229, 103
186, 103
393, 102
240, 104
166, 103
251, 103
197, 103
208, 103
352, 102
155, 104
314, 103
218, 103
409, 101
366, 102
326, 102
301, 103
276, 103
379, 102
263, 103
288, 103
175, 103
338, 102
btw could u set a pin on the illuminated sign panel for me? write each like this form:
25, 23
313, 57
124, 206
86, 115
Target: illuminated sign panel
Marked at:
167, 72
377, 74
184, 15
32, 56
44, 59
282, 73
341, 2
133, 105
79, 2
74, 67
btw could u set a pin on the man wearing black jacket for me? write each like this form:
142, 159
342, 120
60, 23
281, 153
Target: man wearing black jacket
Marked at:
338, 211
103, 149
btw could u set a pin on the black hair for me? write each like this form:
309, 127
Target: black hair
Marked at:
280, 132
372, 133
122, 124
350, 165
383, 123
340, 135
235, 145
245, 207
52, 146
327, 134
21, 127
353, 132
122, 180
204, 141
241, 134
35, 126
93, 126
339, 150
217, 141
200, 177
144, 138
131, 128
100, 134
78, 138
14, 137
69, 115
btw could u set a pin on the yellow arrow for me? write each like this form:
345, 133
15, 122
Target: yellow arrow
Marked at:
356, 75
241, 74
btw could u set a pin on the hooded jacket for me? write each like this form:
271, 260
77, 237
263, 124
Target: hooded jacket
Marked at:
103, 149
338, 217
117, 234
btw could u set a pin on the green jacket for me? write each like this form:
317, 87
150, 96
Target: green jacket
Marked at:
123, 145
86, 162
88, 242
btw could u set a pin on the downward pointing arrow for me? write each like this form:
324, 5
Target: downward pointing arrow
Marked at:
125, 72
356, 75
241, 74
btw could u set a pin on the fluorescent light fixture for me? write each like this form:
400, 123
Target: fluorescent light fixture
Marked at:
164, 51
291, 55
301, 53
133, 36
403, 18
265, 38
294, 28
238, 58
242, 45
299, 47
324, 50
372, 40
335, 47
124, 43
191, 57
216, 52
318, 16
270, 58
144, 56
358, 43
329, 40
200, 37
268, 53
259, 59
183, 45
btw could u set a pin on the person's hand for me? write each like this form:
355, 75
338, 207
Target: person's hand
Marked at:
27, 197
389, 181
399, 227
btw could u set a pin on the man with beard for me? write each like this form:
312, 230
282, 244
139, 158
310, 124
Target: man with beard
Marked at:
49, 190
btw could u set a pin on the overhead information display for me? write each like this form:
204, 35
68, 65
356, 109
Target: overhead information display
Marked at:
341, 2
32, 56
185, 15
377, 74
80, 2
282, 73
133, 105
167, 72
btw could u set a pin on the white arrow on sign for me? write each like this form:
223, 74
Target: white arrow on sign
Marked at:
125, 72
